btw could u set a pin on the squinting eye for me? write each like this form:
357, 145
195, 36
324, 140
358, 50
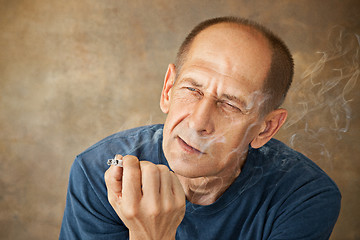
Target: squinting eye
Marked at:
231, 107
193, 93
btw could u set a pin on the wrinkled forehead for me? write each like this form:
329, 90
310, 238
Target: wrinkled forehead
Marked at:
234, 51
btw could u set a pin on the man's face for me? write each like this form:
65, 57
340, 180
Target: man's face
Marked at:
213, 105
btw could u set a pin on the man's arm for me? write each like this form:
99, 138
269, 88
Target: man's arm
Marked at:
88, 215
148, 198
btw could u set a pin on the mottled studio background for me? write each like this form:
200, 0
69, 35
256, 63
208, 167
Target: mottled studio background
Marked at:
73, 72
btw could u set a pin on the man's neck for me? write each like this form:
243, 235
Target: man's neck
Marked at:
206, 190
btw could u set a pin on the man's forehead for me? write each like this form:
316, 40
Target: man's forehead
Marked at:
232, 51
210, 70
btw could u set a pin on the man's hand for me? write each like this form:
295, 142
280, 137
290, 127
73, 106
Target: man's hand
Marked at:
148, 198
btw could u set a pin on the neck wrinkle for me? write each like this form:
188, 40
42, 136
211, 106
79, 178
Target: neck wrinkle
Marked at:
206, 190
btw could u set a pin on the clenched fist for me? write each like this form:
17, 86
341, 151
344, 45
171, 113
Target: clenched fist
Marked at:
148, 198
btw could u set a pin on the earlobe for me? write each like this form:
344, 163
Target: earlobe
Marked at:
272, 124
166, 91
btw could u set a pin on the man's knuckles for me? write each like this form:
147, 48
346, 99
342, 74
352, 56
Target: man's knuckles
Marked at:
130, 211
153, 211
130, 161
163, 169
168, 207
149, 168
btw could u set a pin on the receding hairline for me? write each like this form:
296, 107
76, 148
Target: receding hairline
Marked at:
247, 26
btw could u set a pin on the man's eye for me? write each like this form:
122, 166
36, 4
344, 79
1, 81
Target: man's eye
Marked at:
195, 91
191, 89
231, 107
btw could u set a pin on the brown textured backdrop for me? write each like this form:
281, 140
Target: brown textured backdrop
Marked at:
73, 72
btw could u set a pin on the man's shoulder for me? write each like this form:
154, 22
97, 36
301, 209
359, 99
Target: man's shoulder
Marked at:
127, 139
143, 142
279, 154
277, 157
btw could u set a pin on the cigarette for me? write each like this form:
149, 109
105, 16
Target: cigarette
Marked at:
116, 161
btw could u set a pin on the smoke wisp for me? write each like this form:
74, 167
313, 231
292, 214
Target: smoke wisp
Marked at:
322, 97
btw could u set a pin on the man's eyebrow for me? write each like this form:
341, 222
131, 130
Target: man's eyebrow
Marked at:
192, 82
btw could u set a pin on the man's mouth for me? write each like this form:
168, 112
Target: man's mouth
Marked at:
188, 148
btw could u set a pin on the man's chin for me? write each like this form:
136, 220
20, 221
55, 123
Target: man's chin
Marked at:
188, 170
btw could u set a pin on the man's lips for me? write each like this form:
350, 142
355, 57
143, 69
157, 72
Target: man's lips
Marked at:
187, 147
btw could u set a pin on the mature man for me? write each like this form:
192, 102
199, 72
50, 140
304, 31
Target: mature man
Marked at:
213, 170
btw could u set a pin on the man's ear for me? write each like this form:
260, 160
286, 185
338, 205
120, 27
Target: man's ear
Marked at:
168, 83
271, 125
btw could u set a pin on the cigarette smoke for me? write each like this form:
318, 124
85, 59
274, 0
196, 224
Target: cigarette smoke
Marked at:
322, 97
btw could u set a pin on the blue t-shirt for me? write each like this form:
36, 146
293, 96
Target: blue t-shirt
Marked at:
279, 194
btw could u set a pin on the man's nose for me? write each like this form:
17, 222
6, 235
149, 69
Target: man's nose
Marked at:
202, 116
